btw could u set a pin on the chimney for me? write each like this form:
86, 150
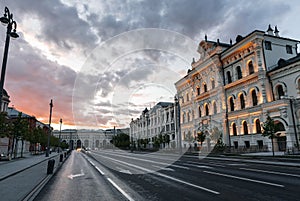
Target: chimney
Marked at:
276, 32
270, 30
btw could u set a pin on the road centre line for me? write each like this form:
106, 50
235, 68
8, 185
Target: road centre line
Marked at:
161, 163
270, 172
245, 179
120, 190
150, 155
163, 175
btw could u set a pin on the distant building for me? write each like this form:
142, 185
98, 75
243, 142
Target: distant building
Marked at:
155, 127
232, 88
93, 139
5, 101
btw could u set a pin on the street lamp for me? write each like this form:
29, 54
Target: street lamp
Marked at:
7, 19
49, 133
176, 100
60, 121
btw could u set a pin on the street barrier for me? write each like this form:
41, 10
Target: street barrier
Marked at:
50, 166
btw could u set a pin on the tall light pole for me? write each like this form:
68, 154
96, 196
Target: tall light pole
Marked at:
60, 123
177, 105
11, 25
49, 133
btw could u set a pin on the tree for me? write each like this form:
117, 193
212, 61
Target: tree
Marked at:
269, 130
20, 130
189, 137
201, 137
5, 127
122, 140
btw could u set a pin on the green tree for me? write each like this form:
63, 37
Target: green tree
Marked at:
122, 140
201, 137
4, 125
36, 137
20, 130
269, 130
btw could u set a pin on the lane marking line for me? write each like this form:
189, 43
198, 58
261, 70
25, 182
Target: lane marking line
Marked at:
164, 175
102, 173
245, 179
140, 159
270, 172
120, 190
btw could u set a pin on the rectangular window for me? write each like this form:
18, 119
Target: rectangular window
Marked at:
289, 49
268, 45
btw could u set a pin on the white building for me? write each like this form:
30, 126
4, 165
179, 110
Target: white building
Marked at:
93, 139
230, 89
155, 127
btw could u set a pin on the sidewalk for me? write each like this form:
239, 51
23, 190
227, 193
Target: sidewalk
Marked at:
9, 168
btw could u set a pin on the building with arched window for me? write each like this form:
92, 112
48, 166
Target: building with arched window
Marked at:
254, 77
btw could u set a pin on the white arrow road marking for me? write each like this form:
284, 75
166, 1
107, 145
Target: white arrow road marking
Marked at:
76, 175
125, 171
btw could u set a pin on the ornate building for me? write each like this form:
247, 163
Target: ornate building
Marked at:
93, 139
5, 101
155, 127
232, 88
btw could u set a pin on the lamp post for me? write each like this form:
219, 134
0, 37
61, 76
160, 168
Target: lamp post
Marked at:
49, 133
11, 25
60, 123
178, 123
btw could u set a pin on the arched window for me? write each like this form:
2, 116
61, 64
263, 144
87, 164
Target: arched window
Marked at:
206, 110
214, 107
204, 87
254, 97
242, 101
245, 127
187, 97
188, 116
239, 72
229, 80
183, 118
199, 111
213, 84
198, 90
250, 67
231, 104
234, 132
257, 126
280, 91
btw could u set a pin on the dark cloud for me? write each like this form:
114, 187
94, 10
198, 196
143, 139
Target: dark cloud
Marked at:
61, 24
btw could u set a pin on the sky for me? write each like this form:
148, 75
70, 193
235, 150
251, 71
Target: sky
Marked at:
103, 62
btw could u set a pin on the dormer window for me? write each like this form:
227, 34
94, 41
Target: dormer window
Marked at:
289, 49
268, 45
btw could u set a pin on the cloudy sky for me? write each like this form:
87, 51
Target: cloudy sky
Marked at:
102, 62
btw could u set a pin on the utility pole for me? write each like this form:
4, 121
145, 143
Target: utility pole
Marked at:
49, 133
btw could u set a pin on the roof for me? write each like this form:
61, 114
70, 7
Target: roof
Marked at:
282, 62
12, 112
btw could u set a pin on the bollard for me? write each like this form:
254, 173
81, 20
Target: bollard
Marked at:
50, 166
61, 156
65, 154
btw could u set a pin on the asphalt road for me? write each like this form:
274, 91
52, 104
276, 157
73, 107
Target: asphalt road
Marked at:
117, 175
78, 180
